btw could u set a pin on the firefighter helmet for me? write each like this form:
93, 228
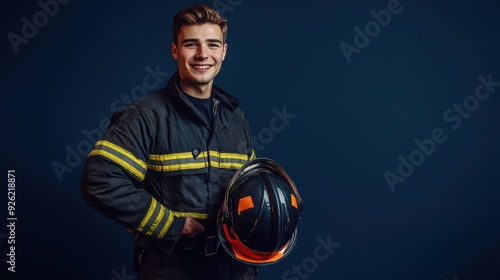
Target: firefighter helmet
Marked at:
257, 223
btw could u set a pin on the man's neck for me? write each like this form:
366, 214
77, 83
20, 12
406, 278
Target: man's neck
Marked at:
195, 90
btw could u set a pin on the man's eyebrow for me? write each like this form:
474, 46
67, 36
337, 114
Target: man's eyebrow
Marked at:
192, 40
214, 41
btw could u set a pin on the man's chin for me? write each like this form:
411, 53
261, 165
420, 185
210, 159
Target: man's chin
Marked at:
198, 82
198, 79
202, 80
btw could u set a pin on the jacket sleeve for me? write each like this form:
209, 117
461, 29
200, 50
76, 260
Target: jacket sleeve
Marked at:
114, 171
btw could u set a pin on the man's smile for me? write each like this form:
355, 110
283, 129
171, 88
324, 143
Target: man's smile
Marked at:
201, 67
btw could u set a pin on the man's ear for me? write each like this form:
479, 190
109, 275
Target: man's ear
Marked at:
224, 52
175, 51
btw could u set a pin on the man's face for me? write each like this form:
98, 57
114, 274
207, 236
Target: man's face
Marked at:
199, 52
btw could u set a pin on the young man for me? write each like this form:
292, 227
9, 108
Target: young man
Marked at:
162, 167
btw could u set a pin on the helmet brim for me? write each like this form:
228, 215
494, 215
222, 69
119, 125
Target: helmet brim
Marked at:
237, 250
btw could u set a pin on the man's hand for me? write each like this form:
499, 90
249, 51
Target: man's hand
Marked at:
192, 227
133, 233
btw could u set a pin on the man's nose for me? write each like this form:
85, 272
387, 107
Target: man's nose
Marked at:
201, 52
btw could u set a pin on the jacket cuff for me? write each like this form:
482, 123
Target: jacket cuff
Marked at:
175, 231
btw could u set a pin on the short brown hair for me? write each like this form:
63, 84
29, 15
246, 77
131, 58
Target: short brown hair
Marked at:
198, 14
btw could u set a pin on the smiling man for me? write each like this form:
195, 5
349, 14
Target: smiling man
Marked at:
199, 50
165, 161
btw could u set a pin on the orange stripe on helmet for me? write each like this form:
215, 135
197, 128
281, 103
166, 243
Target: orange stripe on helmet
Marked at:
245, 203
246, 254
294, 201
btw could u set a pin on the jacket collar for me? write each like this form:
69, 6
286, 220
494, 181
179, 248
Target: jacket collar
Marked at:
229, 101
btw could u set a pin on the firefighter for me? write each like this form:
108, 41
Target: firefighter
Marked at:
162, 166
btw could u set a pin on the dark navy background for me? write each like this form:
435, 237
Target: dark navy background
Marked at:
350, 123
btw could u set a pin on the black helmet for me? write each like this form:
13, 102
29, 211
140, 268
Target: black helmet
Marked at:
257, 223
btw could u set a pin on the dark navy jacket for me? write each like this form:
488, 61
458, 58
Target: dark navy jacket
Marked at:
160, 161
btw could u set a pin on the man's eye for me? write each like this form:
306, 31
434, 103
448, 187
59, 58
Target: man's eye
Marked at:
214, 45
191, 45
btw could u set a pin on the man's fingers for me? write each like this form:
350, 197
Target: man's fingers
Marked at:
192, 227
197, 227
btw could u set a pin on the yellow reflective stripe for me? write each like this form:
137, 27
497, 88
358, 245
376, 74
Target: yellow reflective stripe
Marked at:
166, 226
191, 214
120, 160
122, 151
229, 155
150, 212
178, 161
157, 220
188, 155
252, 157
186, 161
174, 167
185, 155
155, 206
228, 160
177, 215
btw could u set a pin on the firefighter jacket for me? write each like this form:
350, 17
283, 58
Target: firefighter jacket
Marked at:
160, 161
